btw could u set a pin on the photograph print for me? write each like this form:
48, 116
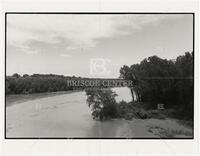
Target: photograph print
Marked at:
99, 75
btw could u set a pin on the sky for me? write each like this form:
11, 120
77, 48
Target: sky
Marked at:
92, 45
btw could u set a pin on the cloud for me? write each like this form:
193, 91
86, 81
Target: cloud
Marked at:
66, 55
34, 32
23, 48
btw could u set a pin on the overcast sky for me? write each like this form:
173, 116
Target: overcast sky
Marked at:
65, 44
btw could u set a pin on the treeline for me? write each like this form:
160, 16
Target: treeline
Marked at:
169, 82
37, 83
40, 83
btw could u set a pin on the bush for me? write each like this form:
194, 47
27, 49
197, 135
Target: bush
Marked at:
156, 114
102, 103
132, 110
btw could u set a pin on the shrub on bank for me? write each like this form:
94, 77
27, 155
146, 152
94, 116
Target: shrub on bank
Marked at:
102, 103
104, 106
135, 110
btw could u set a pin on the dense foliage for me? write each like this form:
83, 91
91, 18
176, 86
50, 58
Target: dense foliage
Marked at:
156, 80
102, 103
104, 106
164, 81
37, 83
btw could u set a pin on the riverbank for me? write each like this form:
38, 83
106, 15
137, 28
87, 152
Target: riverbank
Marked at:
20, 98
66, 115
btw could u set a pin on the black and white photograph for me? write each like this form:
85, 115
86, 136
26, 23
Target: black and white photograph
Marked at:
92, 75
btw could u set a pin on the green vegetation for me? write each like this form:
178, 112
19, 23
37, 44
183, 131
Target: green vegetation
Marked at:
41, 83
36, 83
102, 103
156, 80
104, 106
164, 81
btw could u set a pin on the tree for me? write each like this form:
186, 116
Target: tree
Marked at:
127, 74
16, 75
102, 103
25, 75
164, 81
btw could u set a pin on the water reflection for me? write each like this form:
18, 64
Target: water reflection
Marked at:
123, 93
107, 128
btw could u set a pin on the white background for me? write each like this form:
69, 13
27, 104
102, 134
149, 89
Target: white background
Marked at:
98, 147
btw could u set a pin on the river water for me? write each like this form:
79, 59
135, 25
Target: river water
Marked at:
64, 115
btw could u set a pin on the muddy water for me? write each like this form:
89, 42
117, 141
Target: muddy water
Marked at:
65, 115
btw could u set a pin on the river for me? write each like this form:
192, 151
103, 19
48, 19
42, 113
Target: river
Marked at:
63, 116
